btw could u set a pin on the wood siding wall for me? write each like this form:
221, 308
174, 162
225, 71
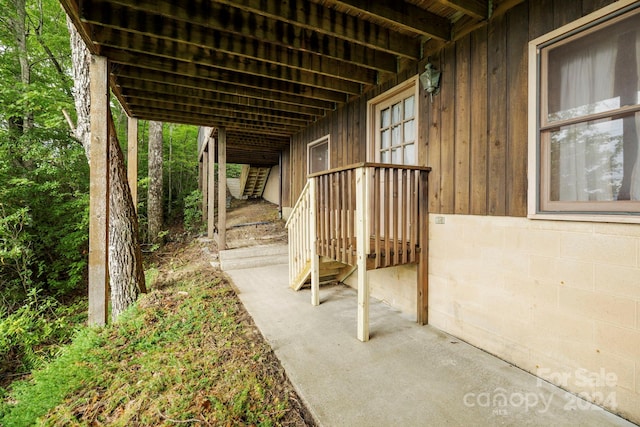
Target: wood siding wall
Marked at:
474, 133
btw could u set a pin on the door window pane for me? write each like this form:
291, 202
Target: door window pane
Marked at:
385, 138
385, 115
396, 136
408, 108
409, 128
396, 116
409, 154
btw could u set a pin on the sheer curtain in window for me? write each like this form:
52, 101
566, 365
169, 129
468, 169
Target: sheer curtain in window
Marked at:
596, 160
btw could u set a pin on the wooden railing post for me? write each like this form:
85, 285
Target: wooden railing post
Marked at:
132, 159
363, 243
313, 239
99, 192
423, 256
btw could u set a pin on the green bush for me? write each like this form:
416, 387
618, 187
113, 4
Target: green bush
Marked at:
33, 333
193, 212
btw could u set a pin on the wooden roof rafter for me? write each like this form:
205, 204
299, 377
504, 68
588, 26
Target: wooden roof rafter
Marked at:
263, 69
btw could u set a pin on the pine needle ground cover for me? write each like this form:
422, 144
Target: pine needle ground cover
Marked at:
186, 354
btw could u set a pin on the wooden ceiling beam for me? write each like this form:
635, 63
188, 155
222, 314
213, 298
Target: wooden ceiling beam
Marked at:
256, 141
216, 111
317, 17
206, 120
185, 96
181, 102
237, 45
132, 84
217, 121
212, 81
477, 9
405, 15
163, 55
237, 22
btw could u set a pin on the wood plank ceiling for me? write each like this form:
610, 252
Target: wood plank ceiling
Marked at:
264, 69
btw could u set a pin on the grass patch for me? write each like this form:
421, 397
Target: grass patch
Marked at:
187, 353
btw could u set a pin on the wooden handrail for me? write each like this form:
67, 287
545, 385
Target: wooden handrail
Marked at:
300, 200
369, 165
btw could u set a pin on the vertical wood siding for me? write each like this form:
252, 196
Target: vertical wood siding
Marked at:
474, 133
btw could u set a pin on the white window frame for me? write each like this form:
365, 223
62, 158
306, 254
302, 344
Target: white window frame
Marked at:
322, 140
534, 153
411, 84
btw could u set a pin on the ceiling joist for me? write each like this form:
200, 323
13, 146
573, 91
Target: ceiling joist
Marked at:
265, 70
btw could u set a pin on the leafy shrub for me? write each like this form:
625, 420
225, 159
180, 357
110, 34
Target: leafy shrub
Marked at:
193, 212
33, 333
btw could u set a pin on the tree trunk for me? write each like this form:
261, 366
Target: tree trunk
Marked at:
80, 58
154, 197
126, 274
21, 34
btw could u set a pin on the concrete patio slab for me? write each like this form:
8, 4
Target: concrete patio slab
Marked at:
406, 375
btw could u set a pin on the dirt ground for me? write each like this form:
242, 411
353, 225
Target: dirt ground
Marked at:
254, 222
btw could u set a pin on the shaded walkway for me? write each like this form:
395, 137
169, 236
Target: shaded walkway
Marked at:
407, 375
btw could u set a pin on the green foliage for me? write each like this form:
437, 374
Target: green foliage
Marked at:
186, 352
233, 170
180, 171
43, 171
193, 212
32, 333
69, 371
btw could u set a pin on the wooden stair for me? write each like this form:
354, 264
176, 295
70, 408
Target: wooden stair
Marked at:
330, 272
255, 182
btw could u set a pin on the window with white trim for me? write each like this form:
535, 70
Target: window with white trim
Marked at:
586, 122
318, 155
395, 126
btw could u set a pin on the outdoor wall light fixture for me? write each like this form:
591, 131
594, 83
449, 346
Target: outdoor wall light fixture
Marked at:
430, 80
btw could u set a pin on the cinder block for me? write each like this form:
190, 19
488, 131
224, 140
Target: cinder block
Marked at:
564, 326
598, 306
617, 280
629, 230
623, 342
564, 272
627, 404
569, 226
600, 248
439, 320
539, 293
439, 295
533, 241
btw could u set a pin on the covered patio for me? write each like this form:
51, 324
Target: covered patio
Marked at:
406, 375
252, 73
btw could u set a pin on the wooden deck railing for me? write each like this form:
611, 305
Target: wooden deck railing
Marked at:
394, 198
366, 215
299, 230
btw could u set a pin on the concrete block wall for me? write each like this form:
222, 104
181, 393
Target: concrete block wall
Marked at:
395, 286
558, 299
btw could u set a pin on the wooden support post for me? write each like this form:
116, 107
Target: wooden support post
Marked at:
211, 196
423, 256
205, 185
313, 240
132, 159
99, 192
222, 188
362, 245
